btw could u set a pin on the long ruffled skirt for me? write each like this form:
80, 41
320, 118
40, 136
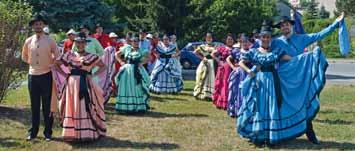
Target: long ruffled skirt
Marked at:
301, 80
220, 94
133, 94
82, 119
205, 78
234, 96
166, 76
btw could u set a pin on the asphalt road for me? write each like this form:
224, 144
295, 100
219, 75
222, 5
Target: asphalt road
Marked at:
338, 72
341, 72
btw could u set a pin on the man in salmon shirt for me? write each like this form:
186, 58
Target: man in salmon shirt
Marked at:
103, 38
40, 52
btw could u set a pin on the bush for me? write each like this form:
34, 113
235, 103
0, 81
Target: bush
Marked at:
58, 37
14, 17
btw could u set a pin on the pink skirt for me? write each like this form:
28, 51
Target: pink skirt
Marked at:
220, 93
82, 119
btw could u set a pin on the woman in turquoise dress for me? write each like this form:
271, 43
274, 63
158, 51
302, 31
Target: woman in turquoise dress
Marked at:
272, 111
166, 75
133, 80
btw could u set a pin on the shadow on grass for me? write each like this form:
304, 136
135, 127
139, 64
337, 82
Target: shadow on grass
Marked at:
335, 122
110, 109
8, 142
22, 115
186, 93
189, 89
113, 143
167, 98
331, 111
153, 114
303, 144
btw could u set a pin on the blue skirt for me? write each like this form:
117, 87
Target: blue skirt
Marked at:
260, 119
166, 76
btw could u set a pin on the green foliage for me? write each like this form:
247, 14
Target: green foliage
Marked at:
58, 37
14, 17
65, 14
304, 4
346, 6
224, 16
190, 20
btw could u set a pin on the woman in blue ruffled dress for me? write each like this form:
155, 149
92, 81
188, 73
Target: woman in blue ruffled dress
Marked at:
272, 111
166, 76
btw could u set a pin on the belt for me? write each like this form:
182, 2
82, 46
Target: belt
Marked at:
137, 74
165, 56
277, 83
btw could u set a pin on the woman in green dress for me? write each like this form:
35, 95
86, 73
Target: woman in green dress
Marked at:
133, 80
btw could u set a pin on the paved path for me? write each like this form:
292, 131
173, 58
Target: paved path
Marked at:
339, 72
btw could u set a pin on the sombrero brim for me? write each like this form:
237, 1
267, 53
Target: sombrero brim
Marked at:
278, 25
33, 21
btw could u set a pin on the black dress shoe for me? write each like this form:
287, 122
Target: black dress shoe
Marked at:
311, 135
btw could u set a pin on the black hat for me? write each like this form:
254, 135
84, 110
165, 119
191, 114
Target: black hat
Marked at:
266, 27
84, 26
37, 17
283, 19
81, 37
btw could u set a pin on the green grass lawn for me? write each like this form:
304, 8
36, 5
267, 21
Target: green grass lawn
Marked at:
179, 122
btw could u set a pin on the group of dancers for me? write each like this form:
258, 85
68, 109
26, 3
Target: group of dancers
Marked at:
78, 81
269, 84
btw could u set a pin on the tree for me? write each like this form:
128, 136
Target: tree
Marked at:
312, 10
346, 6
226, 16
304, 4
14, 17
65, 14
190, 20
323, 14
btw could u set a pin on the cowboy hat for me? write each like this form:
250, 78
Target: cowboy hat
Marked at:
37, 17
283, 19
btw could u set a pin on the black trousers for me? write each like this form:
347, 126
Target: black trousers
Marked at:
40, 88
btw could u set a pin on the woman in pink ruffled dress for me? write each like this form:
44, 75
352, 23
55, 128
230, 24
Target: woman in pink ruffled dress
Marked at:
81, 99
220, 94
